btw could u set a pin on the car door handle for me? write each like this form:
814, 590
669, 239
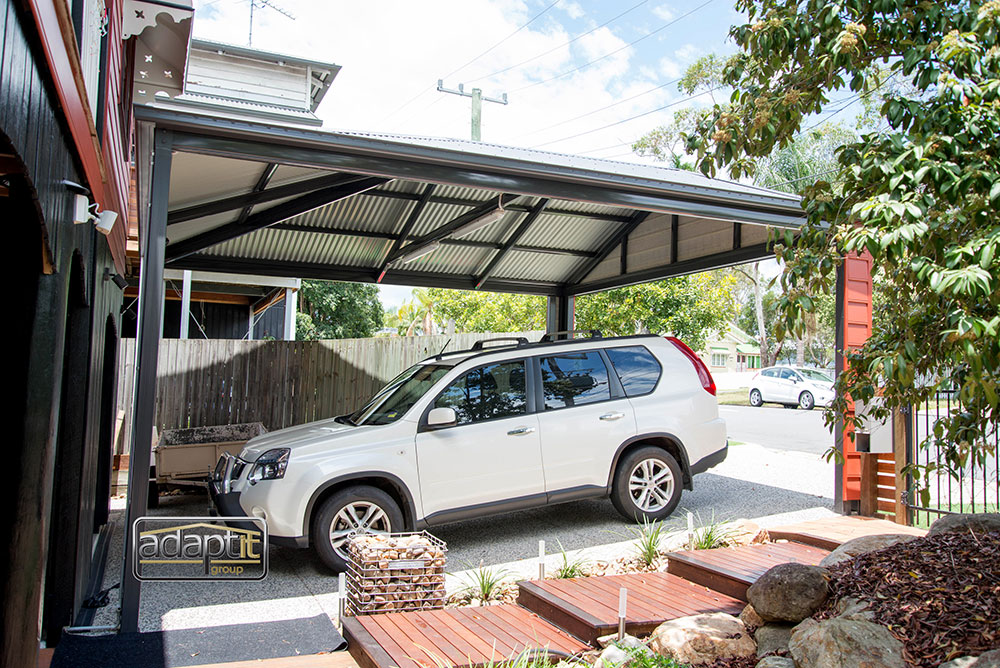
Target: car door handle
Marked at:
608, 417
521, 431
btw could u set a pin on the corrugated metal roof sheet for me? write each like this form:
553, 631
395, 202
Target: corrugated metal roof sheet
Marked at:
310, 247
526, 266
585, 234
450, 259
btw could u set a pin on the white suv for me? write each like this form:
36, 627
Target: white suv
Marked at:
488, 430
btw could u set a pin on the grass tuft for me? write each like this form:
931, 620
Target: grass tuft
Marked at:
647, 541
486, 583
571, 568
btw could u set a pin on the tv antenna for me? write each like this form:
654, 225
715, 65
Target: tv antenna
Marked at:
262, 4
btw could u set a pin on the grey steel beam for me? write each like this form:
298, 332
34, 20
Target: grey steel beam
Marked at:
609, 246
524, 208
151, 293
253, 198
737, 235
675, 225
519, 232
560, 313
405, 229
265, 178
351, 185
442, 231
364, 275
311, 229
692, 266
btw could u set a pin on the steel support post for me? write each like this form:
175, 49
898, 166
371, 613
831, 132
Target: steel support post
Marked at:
151, 292
560, 313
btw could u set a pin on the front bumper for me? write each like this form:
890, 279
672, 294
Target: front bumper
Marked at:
227, 503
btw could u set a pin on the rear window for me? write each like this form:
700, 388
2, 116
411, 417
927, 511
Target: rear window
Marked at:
574, 379
637, 368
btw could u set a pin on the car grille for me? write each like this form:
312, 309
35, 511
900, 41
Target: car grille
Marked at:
237, 469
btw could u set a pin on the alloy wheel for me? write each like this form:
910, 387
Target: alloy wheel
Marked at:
354, 518
651, 485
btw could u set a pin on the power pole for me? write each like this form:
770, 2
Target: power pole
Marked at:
477, 105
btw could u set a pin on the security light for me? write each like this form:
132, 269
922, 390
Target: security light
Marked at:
480, 222
105, 220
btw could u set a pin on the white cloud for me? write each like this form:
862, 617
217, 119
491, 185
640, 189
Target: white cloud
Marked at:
664, 12
572, 9
670, 68
688, 52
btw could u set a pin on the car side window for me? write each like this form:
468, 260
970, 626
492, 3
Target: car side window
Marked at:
487, 393
574, 379
768, 373
637, 369
787, 374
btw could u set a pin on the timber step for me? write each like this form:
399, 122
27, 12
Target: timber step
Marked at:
452, 638
731, 570
832, 532
587, 607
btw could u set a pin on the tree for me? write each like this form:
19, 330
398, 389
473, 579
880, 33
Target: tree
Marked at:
688, 307
329, 310
474, 311
919, 194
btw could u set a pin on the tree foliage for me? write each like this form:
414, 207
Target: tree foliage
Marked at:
329, 310
688, 307
919, 195
475, 311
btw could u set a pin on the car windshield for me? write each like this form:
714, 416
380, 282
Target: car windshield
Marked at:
393, 400
813, 374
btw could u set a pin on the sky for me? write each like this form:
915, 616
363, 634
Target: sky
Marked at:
583, 77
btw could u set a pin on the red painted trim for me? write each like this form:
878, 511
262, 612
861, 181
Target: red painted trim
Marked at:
857, 328
59, 44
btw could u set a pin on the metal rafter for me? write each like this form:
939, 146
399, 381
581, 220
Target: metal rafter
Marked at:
254, 197
610, 245
265, 178
407, 227
443, 231
522, 227
350, 185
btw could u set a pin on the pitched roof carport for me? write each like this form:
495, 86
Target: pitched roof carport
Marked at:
241, 197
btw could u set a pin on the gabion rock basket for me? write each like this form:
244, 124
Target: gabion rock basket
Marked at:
394, 572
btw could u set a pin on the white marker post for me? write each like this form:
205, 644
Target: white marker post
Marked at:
622, 603
541, 560
690, 531
341, 598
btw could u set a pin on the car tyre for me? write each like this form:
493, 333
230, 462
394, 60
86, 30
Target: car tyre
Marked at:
756, 400
647, 485
807, 401
358, 509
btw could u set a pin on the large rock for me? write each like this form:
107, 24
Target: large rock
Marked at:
853, 548
745, 532
789, 592
701, 639
990, 659
775, 662
840, 642
979, 523
772, 638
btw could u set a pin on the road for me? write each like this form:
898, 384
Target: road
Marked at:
778, 428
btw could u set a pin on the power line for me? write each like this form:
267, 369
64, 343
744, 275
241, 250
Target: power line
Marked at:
607, 55
459, 69
595, 111
556, 48
630, 118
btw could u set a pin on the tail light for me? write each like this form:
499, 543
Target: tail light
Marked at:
704, 375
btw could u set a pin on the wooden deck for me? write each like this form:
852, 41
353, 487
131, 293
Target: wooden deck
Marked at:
451, 638
831, 533
731, 570
588, 607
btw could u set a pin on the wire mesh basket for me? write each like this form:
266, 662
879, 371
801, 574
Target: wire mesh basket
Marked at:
395, 572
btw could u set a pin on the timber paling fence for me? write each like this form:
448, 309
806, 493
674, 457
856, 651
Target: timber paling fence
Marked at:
279, 383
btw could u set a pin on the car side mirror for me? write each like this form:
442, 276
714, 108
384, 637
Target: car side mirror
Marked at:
441, 417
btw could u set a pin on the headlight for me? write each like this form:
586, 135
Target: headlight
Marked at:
270, 465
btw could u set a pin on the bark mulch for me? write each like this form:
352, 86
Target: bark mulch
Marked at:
940, 595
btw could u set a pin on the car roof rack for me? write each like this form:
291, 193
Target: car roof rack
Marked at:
517, 341
553, 336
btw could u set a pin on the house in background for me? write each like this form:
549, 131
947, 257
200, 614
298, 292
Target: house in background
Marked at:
731, 350
239, 83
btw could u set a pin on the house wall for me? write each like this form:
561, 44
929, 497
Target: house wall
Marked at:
63, 313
